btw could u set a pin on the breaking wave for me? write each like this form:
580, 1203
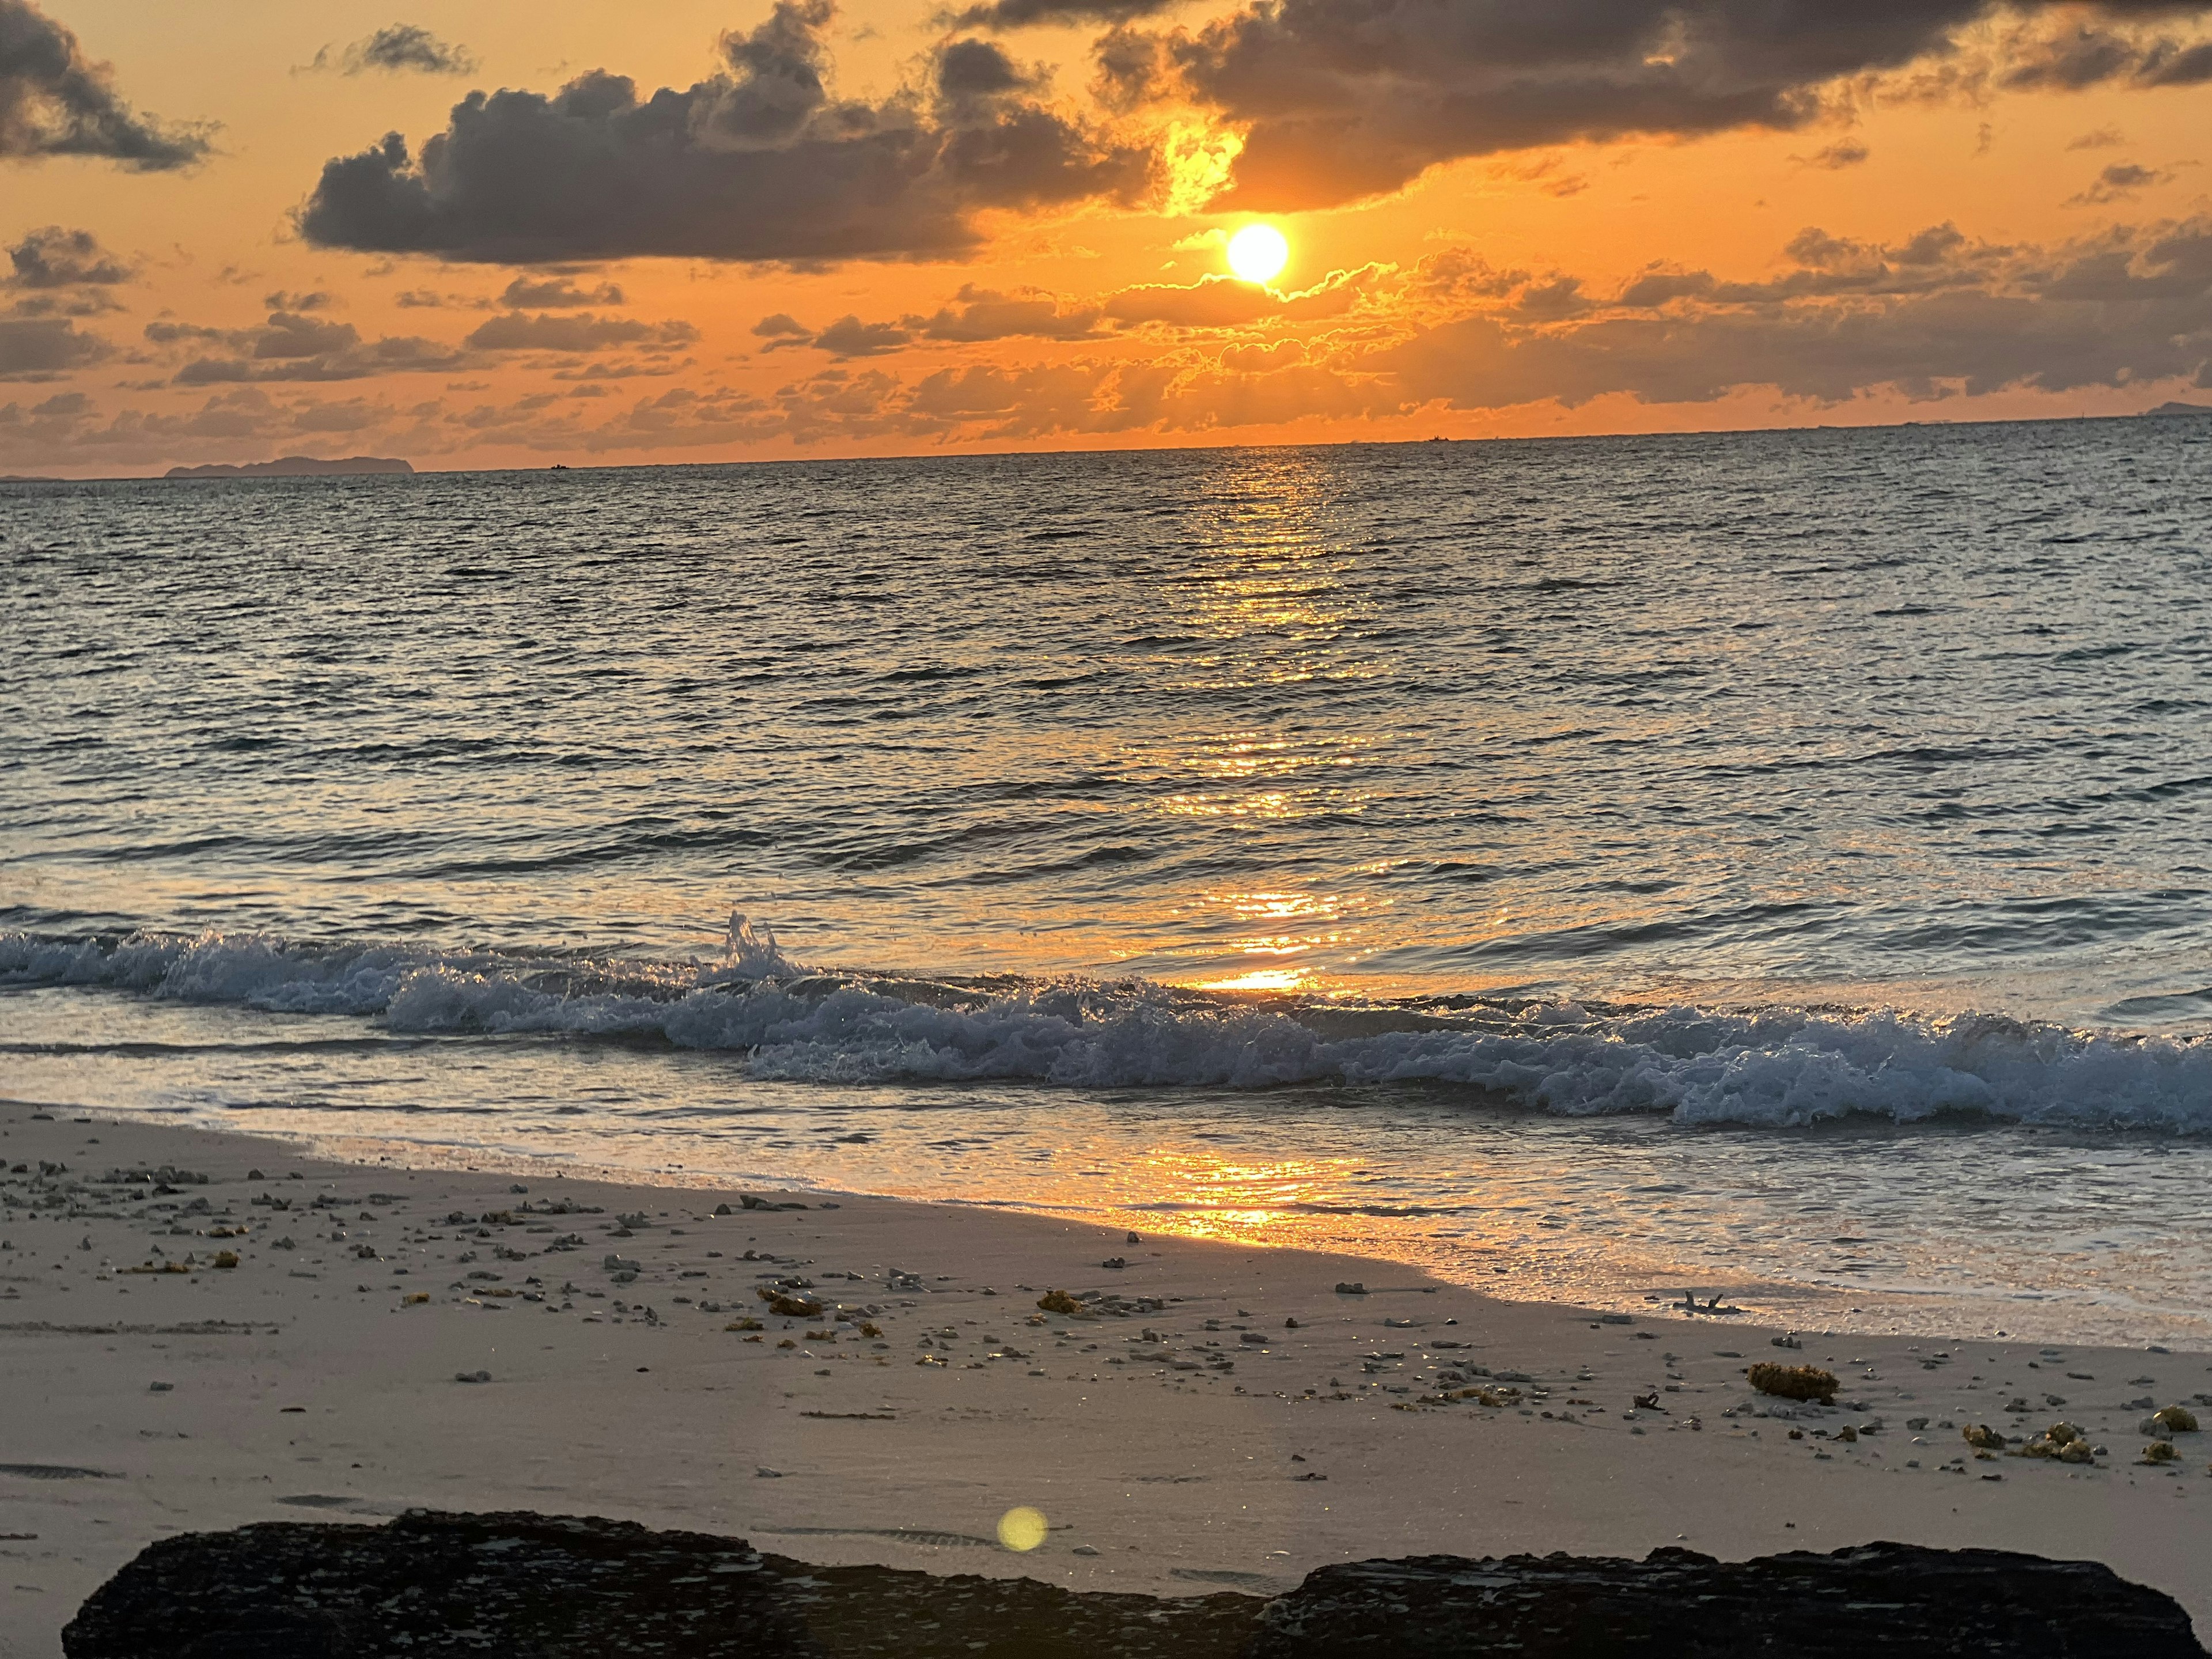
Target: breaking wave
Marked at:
1767, 1067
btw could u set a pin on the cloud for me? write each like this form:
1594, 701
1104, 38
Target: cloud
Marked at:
1225, 302
1845, 153
1934, 317
1930, 316
759, 163
316, 299
2122, 181
849, 337
1002, 15
45, 349
582, 332
1340, 100
291, 346
556, 294
978, 314
2070, 56
2102, 138
55, 257
71, 429
396, 49
54, 101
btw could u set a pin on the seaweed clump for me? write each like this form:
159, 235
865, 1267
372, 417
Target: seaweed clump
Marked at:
1793, 1383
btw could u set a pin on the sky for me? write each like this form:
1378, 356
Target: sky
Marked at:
512, 233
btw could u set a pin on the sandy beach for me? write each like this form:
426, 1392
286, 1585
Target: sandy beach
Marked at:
1215, 1416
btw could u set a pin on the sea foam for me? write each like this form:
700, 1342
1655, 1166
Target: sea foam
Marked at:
1763, 1067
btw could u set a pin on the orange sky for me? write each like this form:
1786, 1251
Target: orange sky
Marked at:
1474, 221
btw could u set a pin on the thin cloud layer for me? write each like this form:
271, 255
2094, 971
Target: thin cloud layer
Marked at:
291, 347
1935, 317
576, 332
759, 162
1340, 99
56, 101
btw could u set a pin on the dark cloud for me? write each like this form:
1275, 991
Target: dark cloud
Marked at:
1026, 13
578, 332
977, 69
2120, 182
1344, 98
315, 300
849, 337
46, 348
291, 346
759, 163
398, 48
557, 293
55, 257
54, 101
2070, 56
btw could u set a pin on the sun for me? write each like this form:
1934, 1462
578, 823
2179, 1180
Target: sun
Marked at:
1258, 253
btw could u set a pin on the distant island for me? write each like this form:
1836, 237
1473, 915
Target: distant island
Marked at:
2180, 409
295, 466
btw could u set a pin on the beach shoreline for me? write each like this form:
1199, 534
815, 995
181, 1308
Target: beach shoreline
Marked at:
1180, 1433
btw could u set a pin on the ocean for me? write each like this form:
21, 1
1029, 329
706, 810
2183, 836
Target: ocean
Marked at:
1777, 864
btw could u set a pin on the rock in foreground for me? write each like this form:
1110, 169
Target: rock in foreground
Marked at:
1896, 1599
526, 1586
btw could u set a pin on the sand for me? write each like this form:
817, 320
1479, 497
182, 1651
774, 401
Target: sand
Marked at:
1189, 1438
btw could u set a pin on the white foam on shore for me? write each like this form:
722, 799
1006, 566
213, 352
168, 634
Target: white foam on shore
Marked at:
1777, 1066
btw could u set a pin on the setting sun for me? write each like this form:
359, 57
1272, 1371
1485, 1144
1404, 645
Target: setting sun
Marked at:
1258, 253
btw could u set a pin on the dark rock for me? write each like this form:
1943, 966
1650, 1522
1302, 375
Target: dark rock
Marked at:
883, 1612
526, 1586
548, 1586
1896, 1599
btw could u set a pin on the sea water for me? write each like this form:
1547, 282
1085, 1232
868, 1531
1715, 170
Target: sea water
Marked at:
1773, 864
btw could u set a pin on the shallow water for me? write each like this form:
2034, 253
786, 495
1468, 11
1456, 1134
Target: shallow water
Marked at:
1623, 862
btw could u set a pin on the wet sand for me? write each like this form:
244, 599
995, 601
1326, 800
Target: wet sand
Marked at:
1180, 1433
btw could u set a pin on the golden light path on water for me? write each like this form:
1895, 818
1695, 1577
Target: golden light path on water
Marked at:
1282, 724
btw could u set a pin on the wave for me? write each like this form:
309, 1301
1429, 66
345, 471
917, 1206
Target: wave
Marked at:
1776, 1067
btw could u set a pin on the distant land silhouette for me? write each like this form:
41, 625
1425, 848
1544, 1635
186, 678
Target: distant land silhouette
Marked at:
2180, 409
294, 466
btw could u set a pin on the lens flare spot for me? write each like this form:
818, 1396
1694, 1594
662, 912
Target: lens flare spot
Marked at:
1258, 253
1022, 1529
